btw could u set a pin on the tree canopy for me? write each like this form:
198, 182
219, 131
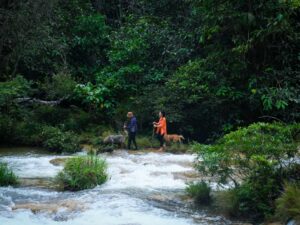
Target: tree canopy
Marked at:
211, 65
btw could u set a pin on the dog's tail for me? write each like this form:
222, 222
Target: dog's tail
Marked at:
181, 137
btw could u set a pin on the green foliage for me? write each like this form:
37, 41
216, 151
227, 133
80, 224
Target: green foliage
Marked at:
90, 39
258, 193
201, 192
7, 177
257, 159
10, 90
82, 172
227, 202
98, 97
32, 133
62, 85
239, 153
56, 140
146, 142
211, 65
288, 204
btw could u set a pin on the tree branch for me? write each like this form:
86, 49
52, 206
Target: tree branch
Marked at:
39, 101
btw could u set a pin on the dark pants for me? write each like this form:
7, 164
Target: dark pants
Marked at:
131, 138
161, 139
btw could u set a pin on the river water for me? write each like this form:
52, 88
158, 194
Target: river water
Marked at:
144, 188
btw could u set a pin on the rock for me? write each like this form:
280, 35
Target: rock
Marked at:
107, 149
242, 223
58, 161
69, 205
37, 182
187, 175
292, 222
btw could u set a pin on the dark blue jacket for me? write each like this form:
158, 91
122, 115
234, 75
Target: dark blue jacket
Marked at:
132, 125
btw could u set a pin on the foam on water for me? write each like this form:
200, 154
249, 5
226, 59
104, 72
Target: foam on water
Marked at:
32, 166
120, 201
150, 170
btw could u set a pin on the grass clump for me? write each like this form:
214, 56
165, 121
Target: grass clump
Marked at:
7, 176
200, 192
288, 204
82, 172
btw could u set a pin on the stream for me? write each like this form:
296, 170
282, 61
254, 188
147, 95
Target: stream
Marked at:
144, 188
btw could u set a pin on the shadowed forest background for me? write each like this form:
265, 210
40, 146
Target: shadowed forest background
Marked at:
226, 72
211, 65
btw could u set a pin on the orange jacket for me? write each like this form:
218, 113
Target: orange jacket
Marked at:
162, 126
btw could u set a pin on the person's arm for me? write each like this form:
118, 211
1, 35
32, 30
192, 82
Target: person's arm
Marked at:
129, 124
133, 123
159, 124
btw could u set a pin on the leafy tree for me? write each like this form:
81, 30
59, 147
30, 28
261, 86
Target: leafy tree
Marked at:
257, 159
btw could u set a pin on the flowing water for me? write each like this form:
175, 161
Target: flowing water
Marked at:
143, 188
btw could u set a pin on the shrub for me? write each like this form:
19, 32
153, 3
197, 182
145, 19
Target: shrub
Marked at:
227, 202
201, 192
82, 172
288, 204
9, 90
61, 85
27, 133
257, 159
6, 128
56, 140
23, 132
7, 177
51, 115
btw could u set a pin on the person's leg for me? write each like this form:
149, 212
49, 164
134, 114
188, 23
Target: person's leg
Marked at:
159, 139
161, 142
133, 140
129, 140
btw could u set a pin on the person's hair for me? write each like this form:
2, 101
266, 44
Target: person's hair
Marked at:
163, 113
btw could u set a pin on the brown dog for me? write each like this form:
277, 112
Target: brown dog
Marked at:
173, 138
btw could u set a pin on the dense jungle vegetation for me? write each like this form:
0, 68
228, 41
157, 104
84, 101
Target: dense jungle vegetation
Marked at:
212, 65
225, 71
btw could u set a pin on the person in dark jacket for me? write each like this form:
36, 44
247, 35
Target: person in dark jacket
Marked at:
131, 127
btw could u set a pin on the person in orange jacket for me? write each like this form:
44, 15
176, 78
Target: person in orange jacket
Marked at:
161, 129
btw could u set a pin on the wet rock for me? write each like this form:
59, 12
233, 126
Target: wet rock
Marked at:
242, 223
51, 208
187, 175
58, 161
37, 182
292, 222
158, 173
124, 171
107, 149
